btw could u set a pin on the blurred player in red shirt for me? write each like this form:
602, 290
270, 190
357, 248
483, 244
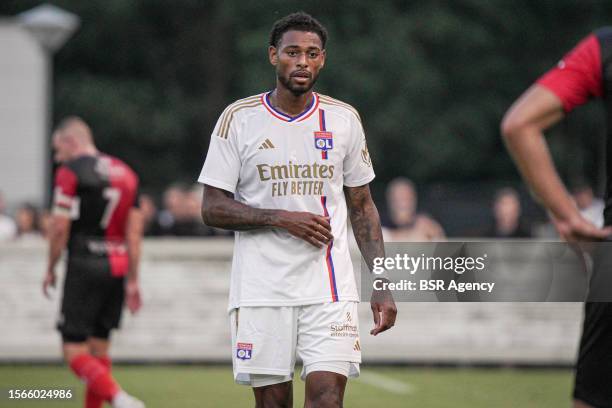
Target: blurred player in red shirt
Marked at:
96, 217
583, 74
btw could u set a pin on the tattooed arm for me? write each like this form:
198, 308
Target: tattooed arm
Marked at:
368, 234
221, 210
366, 223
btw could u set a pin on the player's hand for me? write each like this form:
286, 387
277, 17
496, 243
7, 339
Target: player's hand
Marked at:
48, 281
578, 229
384, 311
132, 296
312, 228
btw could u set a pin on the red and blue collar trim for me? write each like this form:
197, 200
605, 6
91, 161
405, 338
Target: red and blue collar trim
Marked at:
310, 109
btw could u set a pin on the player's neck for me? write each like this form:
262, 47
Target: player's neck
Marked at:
287, 102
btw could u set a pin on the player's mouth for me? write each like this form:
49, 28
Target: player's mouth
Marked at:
301, 77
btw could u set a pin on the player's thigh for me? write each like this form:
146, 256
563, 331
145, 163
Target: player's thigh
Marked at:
329, 333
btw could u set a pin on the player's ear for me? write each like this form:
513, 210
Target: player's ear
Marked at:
323, 54
273, 55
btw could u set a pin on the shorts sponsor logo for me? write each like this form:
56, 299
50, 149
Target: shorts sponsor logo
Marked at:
107, 247
345, 328
244, 351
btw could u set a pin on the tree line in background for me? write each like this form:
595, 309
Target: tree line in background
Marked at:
430, 79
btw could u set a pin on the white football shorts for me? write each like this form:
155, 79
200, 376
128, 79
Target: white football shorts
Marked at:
266, 341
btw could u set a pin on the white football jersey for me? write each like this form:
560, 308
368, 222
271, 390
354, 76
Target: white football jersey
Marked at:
273, 161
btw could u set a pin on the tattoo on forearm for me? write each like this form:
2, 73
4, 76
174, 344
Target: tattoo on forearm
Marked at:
227, 213
366, 223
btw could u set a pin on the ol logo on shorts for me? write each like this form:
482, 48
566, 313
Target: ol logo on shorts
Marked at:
244, 351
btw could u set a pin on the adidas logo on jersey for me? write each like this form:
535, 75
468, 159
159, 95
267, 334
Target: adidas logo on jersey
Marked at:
357, 346
266, 145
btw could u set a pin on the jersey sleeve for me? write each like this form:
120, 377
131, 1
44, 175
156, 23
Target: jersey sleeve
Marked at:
64, 192
222, 164
577, 77
357, 164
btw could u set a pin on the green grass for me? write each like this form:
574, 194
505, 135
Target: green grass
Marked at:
200, 386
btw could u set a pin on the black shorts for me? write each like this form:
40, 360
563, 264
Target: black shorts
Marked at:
92, 302
594, 367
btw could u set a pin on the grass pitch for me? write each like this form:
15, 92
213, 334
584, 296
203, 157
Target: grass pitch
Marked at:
203, 386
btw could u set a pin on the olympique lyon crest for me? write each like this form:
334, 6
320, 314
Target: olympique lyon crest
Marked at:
324, 140
244, 351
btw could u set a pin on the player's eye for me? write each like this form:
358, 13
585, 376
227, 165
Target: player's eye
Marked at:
314, 54
292, 53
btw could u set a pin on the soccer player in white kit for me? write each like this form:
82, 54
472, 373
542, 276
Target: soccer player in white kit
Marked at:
284, 169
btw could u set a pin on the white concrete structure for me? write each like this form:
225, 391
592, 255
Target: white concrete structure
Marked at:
23, 110
27, 43
185, 287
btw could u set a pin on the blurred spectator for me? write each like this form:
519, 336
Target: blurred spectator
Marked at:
181, 214
26, 218
173, 211
407, 225
192, 224
44, 221
149, 214
590, 206
8, 229
507, 216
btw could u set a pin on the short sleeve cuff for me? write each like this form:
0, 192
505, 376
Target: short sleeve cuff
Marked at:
217, 183
359, 182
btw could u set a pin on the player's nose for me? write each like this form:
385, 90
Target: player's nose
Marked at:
302, 61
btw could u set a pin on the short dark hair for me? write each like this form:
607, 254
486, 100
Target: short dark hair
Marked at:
299, 21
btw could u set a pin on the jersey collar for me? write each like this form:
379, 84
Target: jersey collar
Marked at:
314, 104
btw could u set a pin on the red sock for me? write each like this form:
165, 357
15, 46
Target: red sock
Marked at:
96, 376
92, 400
106, 361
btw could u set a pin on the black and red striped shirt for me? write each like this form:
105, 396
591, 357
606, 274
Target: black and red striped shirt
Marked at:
97, 193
